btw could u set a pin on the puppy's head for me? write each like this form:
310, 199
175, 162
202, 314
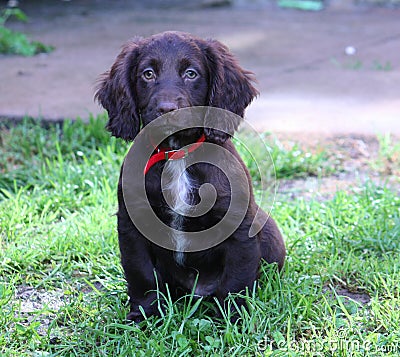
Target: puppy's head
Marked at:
169, 71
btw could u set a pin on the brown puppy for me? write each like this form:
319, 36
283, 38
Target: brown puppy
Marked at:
149, 78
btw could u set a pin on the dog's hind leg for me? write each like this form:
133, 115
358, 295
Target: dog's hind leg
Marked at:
272, 245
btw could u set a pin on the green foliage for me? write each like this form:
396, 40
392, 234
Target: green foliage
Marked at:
306, 5
356, 64
29, 153
12, 12
268, 156
388, 160
62, 291
14, 42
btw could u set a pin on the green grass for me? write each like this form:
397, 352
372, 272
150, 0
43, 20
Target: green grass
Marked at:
265, 155
62, 291
388, 160
17, 43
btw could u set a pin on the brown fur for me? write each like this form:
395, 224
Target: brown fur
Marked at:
133, 101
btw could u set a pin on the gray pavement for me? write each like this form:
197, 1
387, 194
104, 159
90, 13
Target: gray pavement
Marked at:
307, 81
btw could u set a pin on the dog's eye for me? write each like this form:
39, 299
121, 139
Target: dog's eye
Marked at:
148, 74
190, 74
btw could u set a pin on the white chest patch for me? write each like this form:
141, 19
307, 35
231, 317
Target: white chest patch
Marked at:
177, 192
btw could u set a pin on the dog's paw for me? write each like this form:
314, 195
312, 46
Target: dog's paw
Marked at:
140, 313
135, 316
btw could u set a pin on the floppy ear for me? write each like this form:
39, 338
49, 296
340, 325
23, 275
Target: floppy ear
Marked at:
115, 92
231, 88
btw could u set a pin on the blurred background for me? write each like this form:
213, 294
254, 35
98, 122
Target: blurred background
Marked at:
322, 66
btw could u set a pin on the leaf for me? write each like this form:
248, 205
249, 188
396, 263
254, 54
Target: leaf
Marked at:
213, 342
20, 15
182, 340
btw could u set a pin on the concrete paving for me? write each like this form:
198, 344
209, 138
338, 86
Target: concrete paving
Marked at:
307, 81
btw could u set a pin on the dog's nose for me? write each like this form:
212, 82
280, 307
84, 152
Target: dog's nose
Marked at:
166, 107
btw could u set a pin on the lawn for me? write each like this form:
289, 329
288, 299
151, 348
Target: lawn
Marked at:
62, 291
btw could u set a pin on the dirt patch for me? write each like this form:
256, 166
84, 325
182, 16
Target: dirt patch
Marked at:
39, 305
32, 299
358, 296
356, 159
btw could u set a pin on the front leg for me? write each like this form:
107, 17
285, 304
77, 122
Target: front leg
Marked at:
138, 264
140, 274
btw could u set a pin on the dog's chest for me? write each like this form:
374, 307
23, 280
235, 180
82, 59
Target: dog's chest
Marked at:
177, 188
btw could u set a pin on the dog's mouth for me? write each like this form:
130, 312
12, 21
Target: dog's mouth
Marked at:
182, 138
177, 128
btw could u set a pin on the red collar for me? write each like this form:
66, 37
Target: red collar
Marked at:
168, 154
